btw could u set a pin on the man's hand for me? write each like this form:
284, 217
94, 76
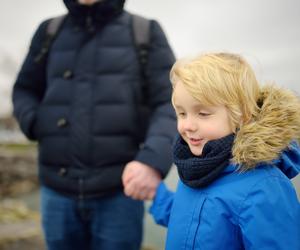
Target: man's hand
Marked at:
140, 180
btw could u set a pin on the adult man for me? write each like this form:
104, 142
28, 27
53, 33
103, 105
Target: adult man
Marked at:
83, 105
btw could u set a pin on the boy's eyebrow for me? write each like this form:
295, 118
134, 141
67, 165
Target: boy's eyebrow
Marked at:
197, 106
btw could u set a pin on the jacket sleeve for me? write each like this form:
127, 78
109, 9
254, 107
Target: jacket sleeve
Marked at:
162, 205
270, 216
156, 151
29, 85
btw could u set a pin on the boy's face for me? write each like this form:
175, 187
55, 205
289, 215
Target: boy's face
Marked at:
198, 124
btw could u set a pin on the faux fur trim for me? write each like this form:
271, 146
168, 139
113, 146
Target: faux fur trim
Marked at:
276, 125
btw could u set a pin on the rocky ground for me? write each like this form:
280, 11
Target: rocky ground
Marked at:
18, 173
19, 226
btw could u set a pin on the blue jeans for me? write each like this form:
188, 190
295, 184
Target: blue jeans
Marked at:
106, 223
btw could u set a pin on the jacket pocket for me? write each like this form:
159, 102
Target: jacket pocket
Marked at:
51, 120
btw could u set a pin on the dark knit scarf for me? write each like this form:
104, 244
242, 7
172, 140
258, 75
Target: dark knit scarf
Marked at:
200, 171
93, 16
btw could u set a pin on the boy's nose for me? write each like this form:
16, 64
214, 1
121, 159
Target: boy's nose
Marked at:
190, 124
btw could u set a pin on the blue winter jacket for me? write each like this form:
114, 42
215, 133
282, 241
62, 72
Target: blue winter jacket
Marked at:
257, 209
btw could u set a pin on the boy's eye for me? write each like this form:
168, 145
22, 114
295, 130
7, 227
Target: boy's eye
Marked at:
180, 114
204, 114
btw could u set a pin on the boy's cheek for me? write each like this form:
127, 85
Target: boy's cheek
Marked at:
179, 127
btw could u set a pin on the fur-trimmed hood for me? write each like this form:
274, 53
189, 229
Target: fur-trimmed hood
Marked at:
271, 132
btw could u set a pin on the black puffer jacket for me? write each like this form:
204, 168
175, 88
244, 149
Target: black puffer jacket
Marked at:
82, 104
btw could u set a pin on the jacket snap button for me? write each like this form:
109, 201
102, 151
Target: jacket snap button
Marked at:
62, 171
62, 122
68, 74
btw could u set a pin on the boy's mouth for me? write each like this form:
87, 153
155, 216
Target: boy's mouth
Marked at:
195, 142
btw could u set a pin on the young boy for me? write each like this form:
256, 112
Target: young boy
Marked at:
235, 155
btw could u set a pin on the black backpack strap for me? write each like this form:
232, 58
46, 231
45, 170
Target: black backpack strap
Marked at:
142, 42
141, 36
52, 29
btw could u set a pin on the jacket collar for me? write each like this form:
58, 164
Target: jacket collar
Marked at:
98, 14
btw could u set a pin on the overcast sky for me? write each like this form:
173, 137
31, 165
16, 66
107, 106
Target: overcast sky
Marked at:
266, 32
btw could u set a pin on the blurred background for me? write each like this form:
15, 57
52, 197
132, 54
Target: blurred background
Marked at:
266, 32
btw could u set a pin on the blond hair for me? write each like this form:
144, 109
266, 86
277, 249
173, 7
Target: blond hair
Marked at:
220, 79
